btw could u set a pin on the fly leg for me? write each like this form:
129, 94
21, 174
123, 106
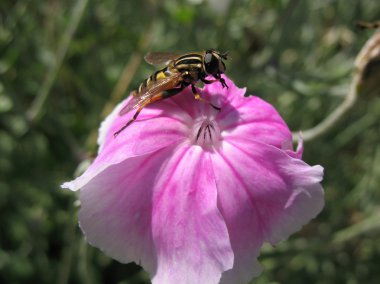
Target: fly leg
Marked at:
131, 120
221, 80
158, 97
199, 98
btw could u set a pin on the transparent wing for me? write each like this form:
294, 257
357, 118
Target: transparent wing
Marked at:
159, 58
133, 103
139, 100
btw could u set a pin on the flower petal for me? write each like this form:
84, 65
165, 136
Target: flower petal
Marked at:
161, 210
190, 234
116, 207
258, 120
288, 147
226, 97
156, 128
248, 116
268, 196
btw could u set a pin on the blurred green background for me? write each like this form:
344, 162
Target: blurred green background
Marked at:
64, 64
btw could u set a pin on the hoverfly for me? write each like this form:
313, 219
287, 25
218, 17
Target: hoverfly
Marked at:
180, 72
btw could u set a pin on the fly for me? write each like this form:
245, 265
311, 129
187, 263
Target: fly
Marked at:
180, 72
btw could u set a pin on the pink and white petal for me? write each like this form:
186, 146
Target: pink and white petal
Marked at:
116, 207
267, 198
243, 222
225, 98
288, 147
257, 120
157, 128
160, 210
190, 235
248, 116
157, 120
186, 103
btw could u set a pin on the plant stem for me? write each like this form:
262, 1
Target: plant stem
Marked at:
35, 111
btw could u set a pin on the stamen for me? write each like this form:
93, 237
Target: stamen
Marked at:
207, 133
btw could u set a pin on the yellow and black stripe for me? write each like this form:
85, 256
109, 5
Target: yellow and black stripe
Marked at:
160, 74
191, 61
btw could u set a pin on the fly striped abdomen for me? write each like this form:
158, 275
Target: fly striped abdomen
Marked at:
188, 62
148, 83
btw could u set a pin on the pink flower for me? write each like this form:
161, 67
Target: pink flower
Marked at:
191, 193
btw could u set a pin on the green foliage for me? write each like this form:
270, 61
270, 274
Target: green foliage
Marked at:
296, 54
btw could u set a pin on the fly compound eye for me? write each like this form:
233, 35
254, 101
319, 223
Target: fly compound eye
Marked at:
208, 58
211, 64
222, 66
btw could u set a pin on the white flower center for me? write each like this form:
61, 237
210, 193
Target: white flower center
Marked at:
206, 133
